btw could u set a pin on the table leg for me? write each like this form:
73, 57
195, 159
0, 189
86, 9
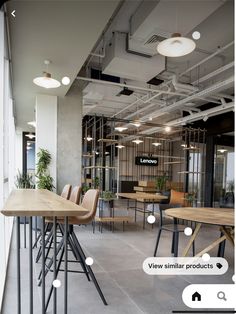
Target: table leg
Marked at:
229, 234
193, 237
211, 246
144, 214
30, 268
66, 266
43, 264
55, 264
18, 265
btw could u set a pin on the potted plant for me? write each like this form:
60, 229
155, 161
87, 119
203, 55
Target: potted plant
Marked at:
45, 181
24, 181
191, 199
161, 183
96, 183
105, 203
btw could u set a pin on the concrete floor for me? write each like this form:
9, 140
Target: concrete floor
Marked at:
118, 259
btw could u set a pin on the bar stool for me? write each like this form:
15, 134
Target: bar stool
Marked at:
89, 202
66, 192
75, 198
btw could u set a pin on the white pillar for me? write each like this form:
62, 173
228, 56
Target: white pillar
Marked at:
46, 131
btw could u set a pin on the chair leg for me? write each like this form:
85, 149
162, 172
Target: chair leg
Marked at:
193, 248
176, 243
157, 241
46, 242
57, 271
88, 267
46, 255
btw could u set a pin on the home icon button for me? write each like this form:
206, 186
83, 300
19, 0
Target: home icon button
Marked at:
196, 296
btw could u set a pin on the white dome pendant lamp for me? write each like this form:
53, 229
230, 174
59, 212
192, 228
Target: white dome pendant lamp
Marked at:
176, 46
46, 81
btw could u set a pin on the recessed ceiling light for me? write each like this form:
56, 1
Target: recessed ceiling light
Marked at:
120, 128
176, 46
120, 146
32, 123
156, 144
46, 81
137, 141
65, 80
196, 35
167, 128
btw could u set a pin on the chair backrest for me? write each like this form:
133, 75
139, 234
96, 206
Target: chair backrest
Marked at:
177, 198
66, 191
90, 201
75, 195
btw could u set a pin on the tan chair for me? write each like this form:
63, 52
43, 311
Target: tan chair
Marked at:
66, 191
75, 195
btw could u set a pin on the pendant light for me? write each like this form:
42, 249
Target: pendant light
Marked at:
156, 144
120, 128
137, 141
176, 46
30, 135
120, 146
46, 81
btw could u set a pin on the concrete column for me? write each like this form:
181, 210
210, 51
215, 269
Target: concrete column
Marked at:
46, 132
69, 135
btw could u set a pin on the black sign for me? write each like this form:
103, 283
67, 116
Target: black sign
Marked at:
146, 161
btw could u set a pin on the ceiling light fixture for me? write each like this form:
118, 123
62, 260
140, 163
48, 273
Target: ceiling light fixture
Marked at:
120, 146
222, 150
156, 144
30, 135
196, 35
137, 141
167, 128
184, 145
32, 123
120, 128
176, 46
136, 123
89, 138
46, 81
65, 80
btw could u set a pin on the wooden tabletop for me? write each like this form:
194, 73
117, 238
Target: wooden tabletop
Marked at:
207, 215
142, 197
29, 202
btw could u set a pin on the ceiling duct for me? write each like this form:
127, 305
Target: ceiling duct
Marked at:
120, 63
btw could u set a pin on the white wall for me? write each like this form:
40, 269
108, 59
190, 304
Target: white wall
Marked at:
46, 131
7, 131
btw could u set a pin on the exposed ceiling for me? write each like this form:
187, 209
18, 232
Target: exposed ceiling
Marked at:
182, 90
63, 32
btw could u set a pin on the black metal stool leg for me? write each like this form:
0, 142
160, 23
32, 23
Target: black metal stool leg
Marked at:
88, 267
176, 245
157, 241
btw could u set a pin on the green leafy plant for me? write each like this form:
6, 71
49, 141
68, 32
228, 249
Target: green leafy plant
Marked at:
96, 182
85, 188
45, 181
24, 181
161, 183
107, 195
191, 198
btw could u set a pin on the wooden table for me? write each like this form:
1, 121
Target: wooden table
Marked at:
142, 198
222, 217
26, 202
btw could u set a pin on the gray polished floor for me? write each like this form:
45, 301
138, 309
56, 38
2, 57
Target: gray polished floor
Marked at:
118, 259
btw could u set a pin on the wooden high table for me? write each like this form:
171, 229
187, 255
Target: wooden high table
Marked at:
145, 198
30, 203
222, 217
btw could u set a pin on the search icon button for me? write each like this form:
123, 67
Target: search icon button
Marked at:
221, 296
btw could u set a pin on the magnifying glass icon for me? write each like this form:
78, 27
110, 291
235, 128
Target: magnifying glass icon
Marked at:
221, 296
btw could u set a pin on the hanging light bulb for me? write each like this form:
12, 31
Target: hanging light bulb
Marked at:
156, 144
120, 146
176, 46
89, 138
46, 81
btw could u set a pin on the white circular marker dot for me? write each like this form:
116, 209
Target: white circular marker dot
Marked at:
65, 80
89, 261
206, 257
188, 231
234, 278
196, 35
56, 283
151, 219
